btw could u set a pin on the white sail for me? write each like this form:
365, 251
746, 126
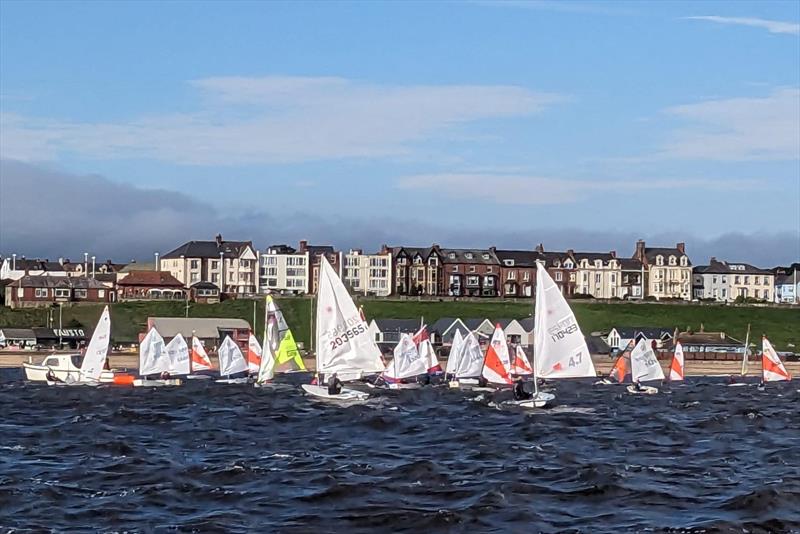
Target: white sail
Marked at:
153, 359
254, 354
231, 359
178, 353
521, 366
407, 361
455, 353
676, 369
644, 364
772, 367
200, 360
470, 363
344, 343
560, 349
497, 364
429, 356
266, 369
96, 353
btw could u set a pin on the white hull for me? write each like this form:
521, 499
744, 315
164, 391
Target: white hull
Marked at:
73, 383
198, 377
604, 382
646, 390
243, 380
346, 394
540, 400
38, 373
144, 382
395, 386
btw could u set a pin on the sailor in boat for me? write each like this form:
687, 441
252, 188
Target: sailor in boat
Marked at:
165, 375
519, 390
334, 385
51, 376
482, 382
638, 386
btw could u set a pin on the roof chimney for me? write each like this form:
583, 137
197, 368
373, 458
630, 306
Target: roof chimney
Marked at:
540, 248
218, 239
303, 245
614, 254
681, 248
639, 254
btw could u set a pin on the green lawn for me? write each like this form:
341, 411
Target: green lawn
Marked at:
128, 319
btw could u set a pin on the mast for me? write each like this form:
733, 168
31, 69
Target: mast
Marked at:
746, 351
533, 349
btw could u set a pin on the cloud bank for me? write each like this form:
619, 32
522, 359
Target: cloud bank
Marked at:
49, 213
279, 120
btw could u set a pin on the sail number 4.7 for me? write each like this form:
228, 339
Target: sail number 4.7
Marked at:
347, 335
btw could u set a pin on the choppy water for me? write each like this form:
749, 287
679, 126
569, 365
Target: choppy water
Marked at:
207, 457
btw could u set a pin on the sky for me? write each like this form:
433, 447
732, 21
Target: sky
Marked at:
129, 128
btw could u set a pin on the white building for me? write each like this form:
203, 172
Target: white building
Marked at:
725, 282
284, 270
14, 268
369, 274
230, 265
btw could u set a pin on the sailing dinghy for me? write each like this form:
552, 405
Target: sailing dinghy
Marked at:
343, 341
254, 355
468, 363
644, 368
559, 348
178, 354
406, 364
497, 364
95, 358
452, 357
772, 368
231, 362
620, 369
198, 361
281, 341
676, 368
521, 366
154, 360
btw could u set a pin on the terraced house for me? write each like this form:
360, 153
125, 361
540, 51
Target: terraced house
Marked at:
230, 265
726, 282
417, 270
668, 271
470, 272
370, 274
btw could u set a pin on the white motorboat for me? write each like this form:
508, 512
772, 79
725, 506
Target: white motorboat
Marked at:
63, 366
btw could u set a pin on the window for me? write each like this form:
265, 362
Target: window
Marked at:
526, 276
724, 292
511, 275
766, 294
472, 268
489, 269
20, 292
714, 280
101, 293
41, 292
485, 256
585, 278
756, 293
488, 281
468, 255
558, 276
508, 263
455, 268
273, 282
194, 264
80, 293
746, 280
571, 277
766, 281
63, 293
215, 278
684, 261
613, 278
473, 280
597, 278
672, 260
194, 278
598, 263
378, 273
215, 264
452, 255
659, 260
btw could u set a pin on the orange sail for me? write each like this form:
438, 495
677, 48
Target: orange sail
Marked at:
772, 367
497, 364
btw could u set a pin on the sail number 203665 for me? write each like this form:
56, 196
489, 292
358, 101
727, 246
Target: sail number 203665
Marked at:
347, 335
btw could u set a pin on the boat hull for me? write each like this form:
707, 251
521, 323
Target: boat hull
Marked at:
144, 382
539, 400
243, 380
646, 390
346, 395
38, 373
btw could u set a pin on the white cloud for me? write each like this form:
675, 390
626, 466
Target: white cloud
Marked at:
517, 189
772, 26
280, 120
738, 129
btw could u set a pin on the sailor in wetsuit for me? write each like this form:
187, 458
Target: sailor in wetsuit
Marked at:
637, 386
51, 376
519, 391
334, 385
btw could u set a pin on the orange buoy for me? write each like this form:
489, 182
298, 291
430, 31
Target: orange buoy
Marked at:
123, 380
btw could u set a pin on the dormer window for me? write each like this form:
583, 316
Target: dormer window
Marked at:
468, 255
485, 256
452, 255
508, 263
557, 264
684, 261
567, 264
672, 260
598, 263
659, 260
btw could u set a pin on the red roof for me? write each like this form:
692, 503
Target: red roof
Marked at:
150, 279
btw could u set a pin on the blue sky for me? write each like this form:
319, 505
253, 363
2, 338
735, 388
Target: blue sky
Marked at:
581, 124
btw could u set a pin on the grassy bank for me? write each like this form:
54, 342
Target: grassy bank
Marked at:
128, 319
